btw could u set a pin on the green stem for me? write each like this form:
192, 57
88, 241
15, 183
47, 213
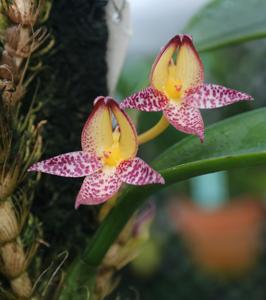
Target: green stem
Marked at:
131, 200
153, 132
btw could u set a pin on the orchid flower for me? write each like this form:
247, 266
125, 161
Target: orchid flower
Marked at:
108, 156
177, 88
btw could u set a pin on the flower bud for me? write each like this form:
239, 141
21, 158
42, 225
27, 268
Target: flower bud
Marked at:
24, 12
13, 259
13, 96
18, 42
21, 286
9, 228
123, 251
106, 283
8, 183
21, 42
8, 71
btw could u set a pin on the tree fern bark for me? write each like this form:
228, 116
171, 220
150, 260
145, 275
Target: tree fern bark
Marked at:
76, 74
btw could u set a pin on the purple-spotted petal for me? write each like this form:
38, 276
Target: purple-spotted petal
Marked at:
98, 187
185, 118
137, 172
73, 164
213, 95
148, 99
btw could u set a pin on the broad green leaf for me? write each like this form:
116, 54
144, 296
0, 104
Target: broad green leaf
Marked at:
226, 22
236, 142
243, 134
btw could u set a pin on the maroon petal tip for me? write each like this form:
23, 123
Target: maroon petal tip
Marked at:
201, 137
98, 99
186, 37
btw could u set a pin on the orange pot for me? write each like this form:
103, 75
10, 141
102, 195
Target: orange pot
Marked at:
226, 241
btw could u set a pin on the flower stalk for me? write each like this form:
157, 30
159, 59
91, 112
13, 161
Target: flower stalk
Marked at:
153, 132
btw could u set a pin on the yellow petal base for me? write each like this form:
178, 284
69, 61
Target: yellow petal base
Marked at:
173, 89
112, 156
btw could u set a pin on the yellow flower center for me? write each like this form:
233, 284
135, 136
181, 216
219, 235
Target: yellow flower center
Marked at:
173, 89
173, 86
112, 156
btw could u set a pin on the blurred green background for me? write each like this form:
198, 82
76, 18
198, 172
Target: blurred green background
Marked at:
229, 35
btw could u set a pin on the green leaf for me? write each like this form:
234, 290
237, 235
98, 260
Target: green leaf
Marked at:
236, 142
227, 22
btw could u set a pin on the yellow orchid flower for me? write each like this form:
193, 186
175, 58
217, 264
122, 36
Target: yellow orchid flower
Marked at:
177, 89
108, 156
